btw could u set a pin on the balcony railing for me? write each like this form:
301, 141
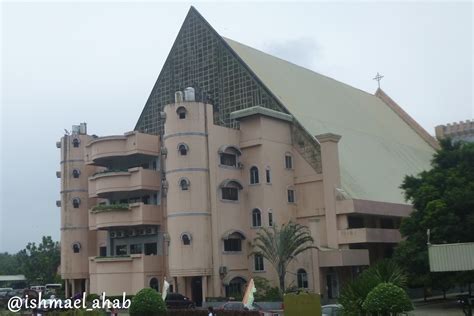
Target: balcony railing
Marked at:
133, 143
119, 215
368, 235
134, 179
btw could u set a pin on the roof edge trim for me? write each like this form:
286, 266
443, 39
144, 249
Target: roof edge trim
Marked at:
407, 118
258, 110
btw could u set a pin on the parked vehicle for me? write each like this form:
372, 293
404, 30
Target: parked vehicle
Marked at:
176, 300
5, 297
239, 306
38, 288
331, 310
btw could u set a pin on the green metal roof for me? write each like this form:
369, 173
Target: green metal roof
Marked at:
377, 149
451, 257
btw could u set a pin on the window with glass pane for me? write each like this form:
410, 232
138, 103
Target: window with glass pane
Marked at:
302, 277
256, 218
231, 194
120, 250
233, 244
228, 160
291, 196
254, 175
268, 176
288, 161
270, 219
136, 249
258, 263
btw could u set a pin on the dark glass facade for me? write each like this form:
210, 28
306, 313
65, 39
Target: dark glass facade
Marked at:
201, 59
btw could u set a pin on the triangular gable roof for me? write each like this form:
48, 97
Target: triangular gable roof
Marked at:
377, 148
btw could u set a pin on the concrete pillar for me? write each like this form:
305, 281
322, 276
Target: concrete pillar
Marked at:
73, 287
204, 288
331, 181
66, 289
87, 290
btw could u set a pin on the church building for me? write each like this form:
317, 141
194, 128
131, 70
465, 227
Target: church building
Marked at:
230, 140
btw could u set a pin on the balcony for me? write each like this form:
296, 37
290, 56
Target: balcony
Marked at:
132, 148
368, 235
102, 217
114, 275
106, 183
343, 257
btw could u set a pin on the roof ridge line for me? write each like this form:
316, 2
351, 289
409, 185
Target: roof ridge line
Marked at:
299, 66
407, 118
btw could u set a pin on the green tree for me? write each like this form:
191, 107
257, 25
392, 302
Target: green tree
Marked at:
280, 246
147, 302
443, 201
39, 263
8, 264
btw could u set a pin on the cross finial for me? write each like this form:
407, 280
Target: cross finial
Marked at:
378, 77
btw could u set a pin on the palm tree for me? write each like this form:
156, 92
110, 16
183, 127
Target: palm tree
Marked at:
281, 245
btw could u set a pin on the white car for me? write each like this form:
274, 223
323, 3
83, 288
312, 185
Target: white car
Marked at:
331, 310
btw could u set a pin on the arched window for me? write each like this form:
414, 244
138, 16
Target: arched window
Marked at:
154, 284
186, 239
233, 241
228, 155
184, 184
236, 287
254, 175
258, 263
288, 161
270, 218
256, 218
181, 111
76, 202
268, 176
183, 149
302, 277
76, 247
230, 190
76, 173
76, 142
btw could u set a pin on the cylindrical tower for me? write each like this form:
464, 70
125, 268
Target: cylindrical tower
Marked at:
77, 242
188, 207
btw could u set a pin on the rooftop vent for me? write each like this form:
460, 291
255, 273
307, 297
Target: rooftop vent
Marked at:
189, 94
178, 97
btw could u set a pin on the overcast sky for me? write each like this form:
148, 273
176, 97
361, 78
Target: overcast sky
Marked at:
66, 63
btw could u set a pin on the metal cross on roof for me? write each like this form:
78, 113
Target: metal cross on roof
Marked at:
378, 77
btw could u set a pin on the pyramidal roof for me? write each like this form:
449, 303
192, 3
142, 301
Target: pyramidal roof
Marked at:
380, 143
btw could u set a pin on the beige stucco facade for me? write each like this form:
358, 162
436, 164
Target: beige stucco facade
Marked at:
185, 206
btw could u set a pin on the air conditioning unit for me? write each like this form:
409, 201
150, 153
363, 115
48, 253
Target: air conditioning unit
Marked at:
164, 184
58, 203
240, 165
222, 270
58, 174
58, 144
164, 151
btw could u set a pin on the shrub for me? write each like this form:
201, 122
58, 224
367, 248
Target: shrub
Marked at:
147, 302
91, 297
355, 292
266, 292
205, 313
387, 299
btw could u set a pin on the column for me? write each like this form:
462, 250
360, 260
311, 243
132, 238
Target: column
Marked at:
331, 181
204, 288
73, 287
